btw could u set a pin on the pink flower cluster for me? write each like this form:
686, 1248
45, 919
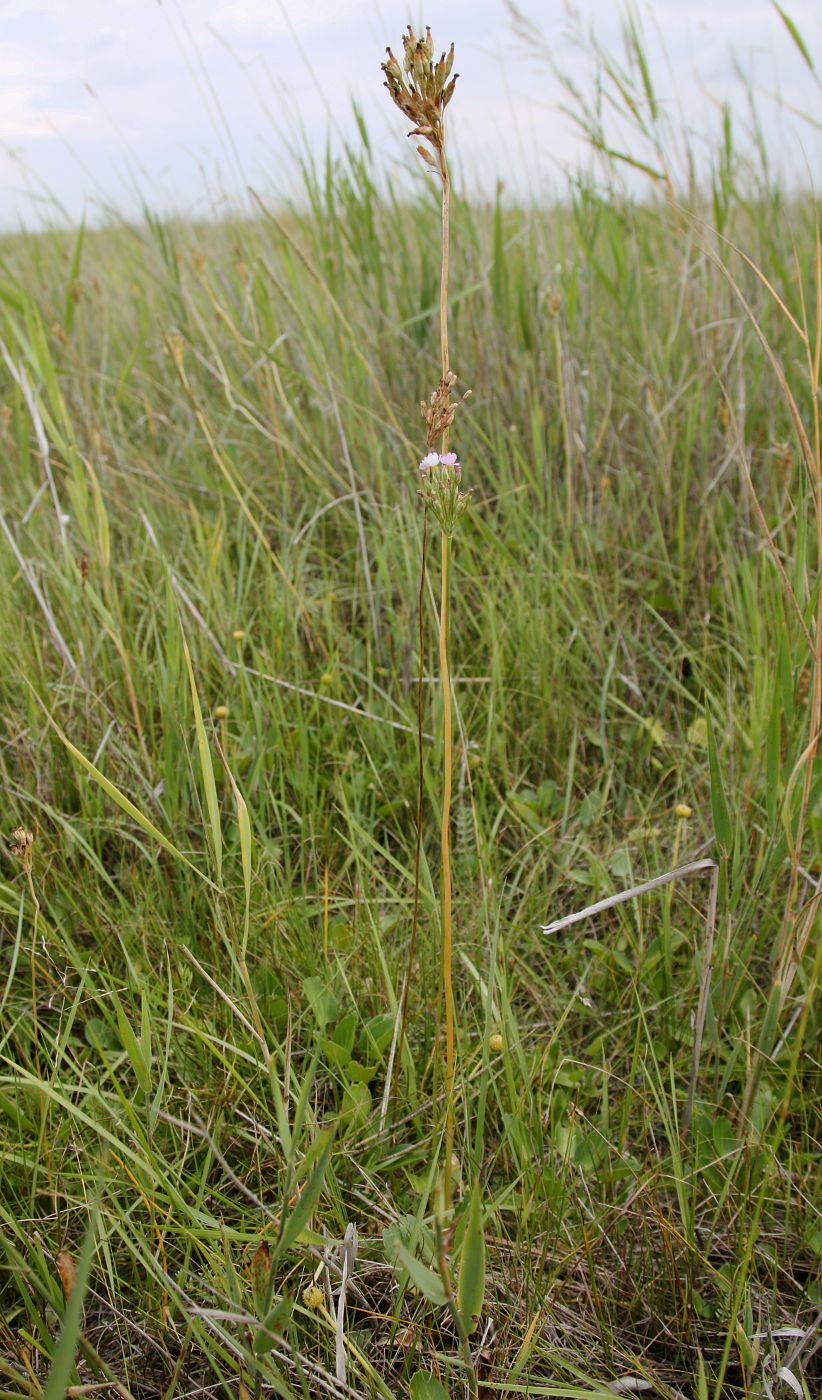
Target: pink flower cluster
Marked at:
440, 459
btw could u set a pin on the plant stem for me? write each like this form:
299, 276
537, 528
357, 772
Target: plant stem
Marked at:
456, 1315
33, 963
445, 890
446, 248
420, 798
445, 681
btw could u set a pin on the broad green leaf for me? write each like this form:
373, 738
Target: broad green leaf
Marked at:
724, 1138
697, 735
377, 1033
356, 1105
335, 1054
360, 1074
425, 1386
100, 1035
429, 1284
321, 999
345, 1032
471, 1286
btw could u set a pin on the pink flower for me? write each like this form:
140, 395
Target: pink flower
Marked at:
449, 459
432, 460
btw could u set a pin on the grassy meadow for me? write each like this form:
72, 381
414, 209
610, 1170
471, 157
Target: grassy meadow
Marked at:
210, 565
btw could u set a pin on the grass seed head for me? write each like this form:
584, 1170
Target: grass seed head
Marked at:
260, 1271
67, 1269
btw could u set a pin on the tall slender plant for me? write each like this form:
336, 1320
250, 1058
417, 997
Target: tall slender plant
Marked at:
422, 89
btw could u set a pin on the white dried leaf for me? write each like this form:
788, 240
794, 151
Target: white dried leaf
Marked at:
783, 1374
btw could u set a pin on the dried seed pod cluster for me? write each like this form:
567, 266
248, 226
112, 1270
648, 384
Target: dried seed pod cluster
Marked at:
22, 848
439, 412
422, 89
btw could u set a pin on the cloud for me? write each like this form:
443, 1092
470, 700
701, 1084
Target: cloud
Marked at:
91, 89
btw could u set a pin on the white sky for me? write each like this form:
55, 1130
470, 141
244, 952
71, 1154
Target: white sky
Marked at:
190, 101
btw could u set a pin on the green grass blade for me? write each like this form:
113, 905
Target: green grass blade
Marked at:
471, 1286
62, 1365
123, 802
206, 769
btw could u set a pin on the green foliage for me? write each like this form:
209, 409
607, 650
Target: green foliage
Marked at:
425, 1386
471, 1286
229, 412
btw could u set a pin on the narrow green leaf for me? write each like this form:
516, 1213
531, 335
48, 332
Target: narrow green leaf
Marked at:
429, 1284
71, 300
244, 828
131, 1045
471, 1286
207, 769
281, 1113
627, 159
122, 801
273, 1325
774, 759
785, 680
62, 1364
701, 1380
245, 841
795, 35
145, 1030
770, 1022
301, 1214
719, 806
304, 1095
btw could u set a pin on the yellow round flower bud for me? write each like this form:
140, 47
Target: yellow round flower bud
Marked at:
221, 711
683, 811
238, 634
313, 1297
495, 1043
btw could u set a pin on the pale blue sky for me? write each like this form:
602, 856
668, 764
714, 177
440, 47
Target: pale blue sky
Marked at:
189, 101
